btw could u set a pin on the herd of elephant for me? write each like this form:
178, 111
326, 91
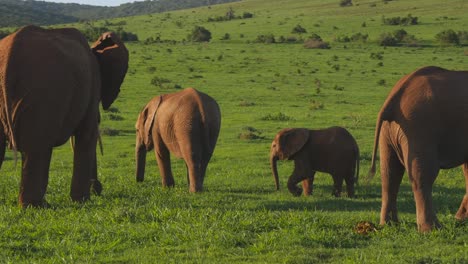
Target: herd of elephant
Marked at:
51, 84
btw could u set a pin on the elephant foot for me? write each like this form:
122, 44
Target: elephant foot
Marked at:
96, 187
462, 213
336, 193
389, 217
34, 204
295, 191
427, 227
80, 199
195, 189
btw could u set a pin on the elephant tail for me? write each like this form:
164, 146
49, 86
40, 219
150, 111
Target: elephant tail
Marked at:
358, 158
371, 172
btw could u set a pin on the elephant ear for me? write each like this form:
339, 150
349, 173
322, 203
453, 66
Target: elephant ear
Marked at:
112, 56
146, 121
293, 140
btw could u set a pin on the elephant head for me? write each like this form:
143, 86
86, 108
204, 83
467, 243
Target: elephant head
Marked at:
286, 143
112, 56
144, 140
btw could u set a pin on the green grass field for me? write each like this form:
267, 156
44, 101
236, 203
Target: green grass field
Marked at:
240, 218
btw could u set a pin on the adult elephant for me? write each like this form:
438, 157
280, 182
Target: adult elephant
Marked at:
332, 150
422, 128
184, 123
51, 83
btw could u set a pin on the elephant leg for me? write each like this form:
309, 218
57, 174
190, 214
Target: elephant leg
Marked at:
422, 172
193, 157
462, 213
2, 145
337, 184
82, 173
84, 160
307, 184
204, 165
391, 171
298, 175
96, 185
194, 165
349, 180
163, 158
35, 176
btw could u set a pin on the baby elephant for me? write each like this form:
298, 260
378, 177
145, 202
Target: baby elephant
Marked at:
332, 150
185, 124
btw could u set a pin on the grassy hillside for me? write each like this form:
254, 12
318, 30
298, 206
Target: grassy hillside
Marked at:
240, 218
17, 13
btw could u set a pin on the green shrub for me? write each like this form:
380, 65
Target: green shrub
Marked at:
151, 69
278, 117
247, 15
159, 81
199, 34
270, 38
246, 103
448, 37
354, 38
397, 38
226, 36
315, 105
316, 44
346, 3
299, 30
405, 21
376, 56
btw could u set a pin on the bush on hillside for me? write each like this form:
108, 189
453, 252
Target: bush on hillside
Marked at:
230, 15
397, 38
268, 39
463, 37
346, 3
92, 33
353, 38
448, 37
199, 34
299, 30
400, 21
247, 15
316, 42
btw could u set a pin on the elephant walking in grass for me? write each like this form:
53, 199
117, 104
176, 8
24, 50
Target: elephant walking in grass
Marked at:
184, 123
332, 150
422, 127
51, 83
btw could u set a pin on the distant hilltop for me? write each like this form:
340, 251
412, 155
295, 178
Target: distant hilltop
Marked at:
16, 13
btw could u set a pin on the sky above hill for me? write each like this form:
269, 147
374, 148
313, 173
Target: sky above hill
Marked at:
95, 2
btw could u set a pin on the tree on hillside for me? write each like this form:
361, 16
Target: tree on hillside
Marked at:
230, 14
299, 30
199, 34
346, 3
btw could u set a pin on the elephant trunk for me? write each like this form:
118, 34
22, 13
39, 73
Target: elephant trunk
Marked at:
274, 169
140, 157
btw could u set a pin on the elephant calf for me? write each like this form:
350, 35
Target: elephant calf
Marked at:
332, 150
186, 124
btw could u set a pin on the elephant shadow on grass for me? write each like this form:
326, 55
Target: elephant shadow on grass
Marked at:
368, 199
